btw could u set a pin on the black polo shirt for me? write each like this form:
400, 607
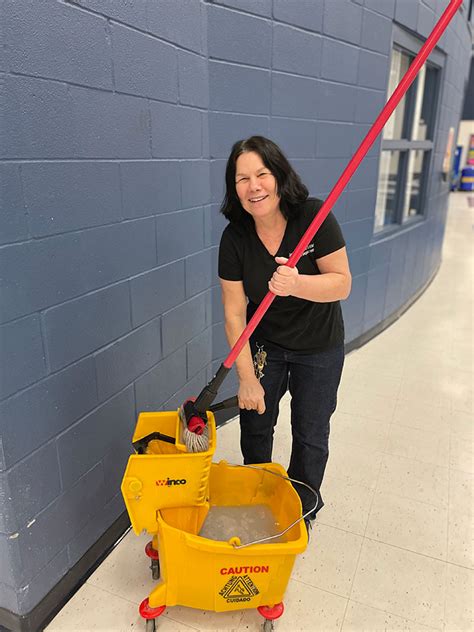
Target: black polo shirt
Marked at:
291, 323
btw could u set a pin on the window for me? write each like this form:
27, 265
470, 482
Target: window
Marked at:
407, 145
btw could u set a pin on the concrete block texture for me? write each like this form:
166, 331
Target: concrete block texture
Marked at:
36, 119
358, 233
60, 197
195, 183
81, 326
295, 137
406, 13
157, 291
199, 352
368, 105
217, 188
198, 272
179, 234
183, 323
220, 346
385, 7
426, 20
359, 261
259, 7
156, 386
334, 140
150, 187
48, 119
217, 307
176, 21
48, 407
296, 51
353, 307
237, 37
99, 524
143, 65
193, 81
284, 103
55, 527
235, 88
46, 272
28, 487
226, 129
13, 219
191, 388
119, 364
42, 583
126, 11
336, 102
373, 70
84, 444
339, 61
109, 125
376, 32
375, 296
21, 350
305, 13
361, 204
208, 225
176, 131
46, 39
343, 20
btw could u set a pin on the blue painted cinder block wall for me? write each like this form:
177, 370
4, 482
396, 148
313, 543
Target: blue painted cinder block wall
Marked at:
118, 117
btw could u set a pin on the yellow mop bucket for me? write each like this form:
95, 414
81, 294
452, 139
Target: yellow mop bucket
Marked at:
228, 575
166, 475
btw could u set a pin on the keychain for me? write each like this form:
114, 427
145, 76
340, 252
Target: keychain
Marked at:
259, 361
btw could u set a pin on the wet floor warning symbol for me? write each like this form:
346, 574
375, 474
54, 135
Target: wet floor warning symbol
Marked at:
239, 588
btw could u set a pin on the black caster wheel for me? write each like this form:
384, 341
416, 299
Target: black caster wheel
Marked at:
268, 626
150, 625
155, 569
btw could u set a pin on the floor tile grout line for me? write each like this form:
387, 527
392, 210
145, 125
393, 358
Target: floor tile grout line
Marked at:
394, 614
415, 500
110, 592
364, 538
330, 592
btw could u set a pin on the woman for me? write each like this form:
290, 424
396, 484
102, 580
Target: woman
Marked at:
299, 344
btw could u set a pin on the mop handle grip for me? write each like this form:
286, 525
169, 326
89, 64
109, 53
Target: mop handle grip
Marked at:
348, 172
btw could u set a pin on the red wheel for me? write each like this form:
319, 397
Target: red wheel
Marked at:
150, 551
150, 613
272, 612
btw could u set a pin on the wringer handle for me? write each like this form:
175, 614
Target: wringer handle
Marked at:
209, 393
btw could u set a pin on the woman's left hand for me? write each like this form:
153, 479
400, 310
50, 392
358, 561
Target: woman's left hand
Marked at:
284, 280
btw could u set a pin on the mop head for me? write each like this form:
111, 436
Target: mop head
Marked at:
195, 431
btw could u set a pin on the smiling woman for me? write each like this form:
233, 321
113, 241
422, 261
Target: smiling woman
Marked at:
299, 344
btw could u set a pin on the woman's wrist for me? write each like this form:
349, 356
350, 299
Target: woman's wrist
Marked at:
249, 378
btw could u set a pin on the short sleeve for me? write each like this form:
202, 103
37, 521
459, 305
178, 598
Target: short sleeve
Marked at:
230, 257
329, 237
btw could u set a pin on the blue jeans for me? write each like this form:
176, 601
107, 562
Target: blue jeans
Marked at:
313, 380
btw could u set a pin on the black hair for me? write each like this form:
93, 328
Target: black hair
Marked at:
290, 188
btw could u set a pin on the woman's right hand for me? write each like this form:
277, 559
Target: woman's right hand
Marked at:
251, 395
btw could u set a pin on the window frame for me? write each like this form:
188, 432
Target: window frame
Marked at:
409, 44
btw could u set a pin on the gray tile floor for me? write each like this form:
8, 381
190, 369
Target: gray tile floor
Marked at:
392, 548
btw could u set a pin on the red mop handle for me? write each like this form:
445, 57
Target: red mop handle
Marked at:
348, 172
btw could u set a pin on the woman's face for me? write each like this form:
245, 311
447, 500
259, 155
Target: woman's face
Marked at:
256, 186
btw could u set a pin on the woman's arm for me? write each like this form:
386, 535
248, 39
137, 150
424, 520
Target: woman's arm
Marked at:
251, 394
333, 284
